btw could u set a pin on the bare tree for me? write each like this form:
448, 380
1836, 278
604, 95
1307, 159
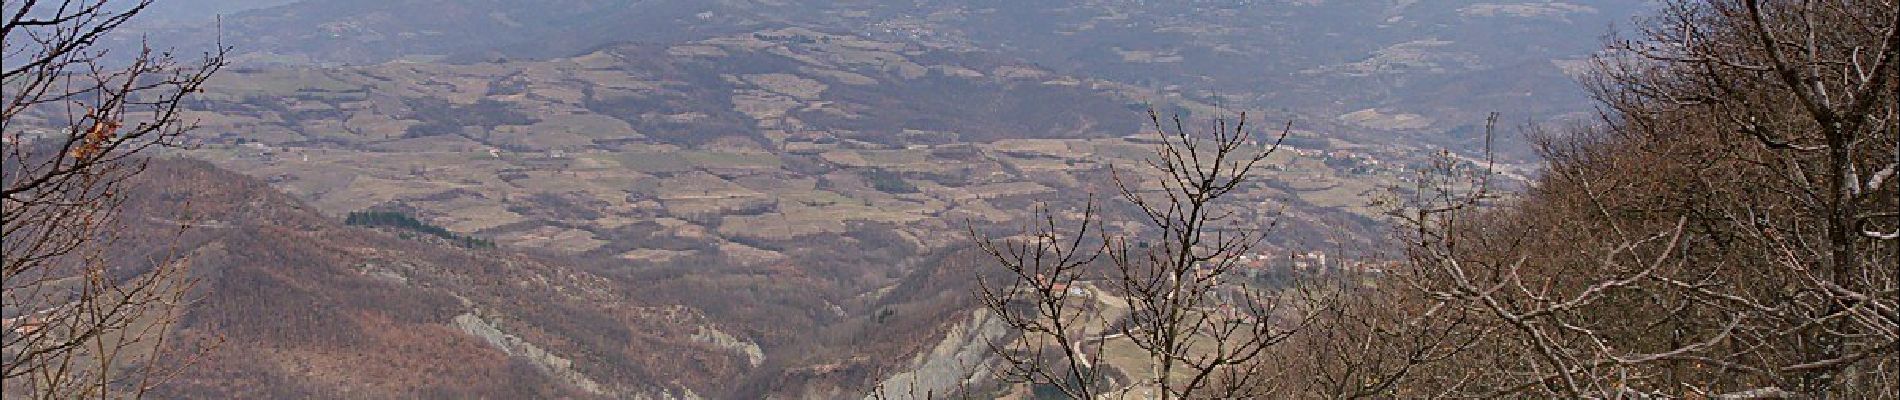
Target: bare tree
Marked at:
1727, 230
1390, 332
1072, 294
78, 322
1801, 99
1051, 330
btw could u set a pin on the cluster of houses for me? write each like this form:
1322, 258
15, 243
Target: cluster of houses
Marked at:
1226, 301
266, 153
28, 324
1254, 264
1297, 262
1349, 161
1059, 288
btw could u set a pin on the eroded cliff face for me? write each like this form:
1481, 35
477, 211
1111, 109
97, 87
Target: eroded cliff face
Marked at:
713, 336
958, 361
554, 365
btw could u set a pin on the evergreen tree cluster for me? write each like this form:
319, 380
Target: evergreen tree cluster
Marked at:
889, 182
402, 221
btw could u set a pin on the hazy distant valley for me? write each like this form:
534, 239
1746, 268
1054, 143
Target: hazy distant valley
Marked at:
823, 172
752, 199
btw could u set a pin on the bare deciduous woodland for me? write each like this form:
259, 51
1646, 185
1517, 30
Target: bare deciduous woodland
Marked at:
1726, 229
1164, 290
81, 322
1725, 226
